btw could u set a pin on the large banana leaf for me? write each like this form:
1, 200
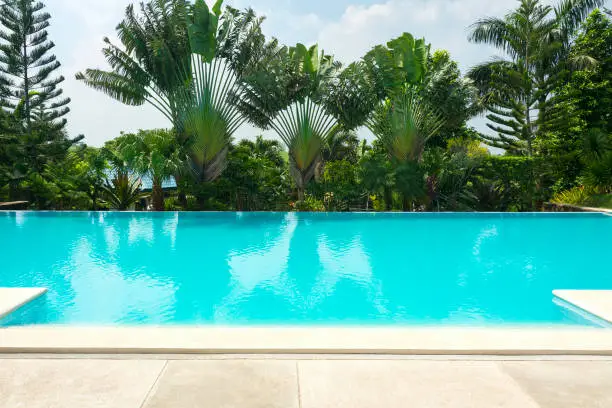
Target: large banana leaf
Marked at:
202, 28
410, 56
402, 61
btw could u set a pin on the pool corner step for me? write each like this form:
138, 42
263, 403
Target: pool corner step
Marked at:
12, 299
596, 302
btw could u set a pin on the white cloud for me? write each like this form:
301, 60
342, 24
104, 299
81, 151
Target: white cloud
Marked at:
443, 23
78, 29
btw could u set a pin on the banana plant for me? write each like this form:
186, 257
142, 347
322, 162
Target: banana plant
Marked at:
402, 61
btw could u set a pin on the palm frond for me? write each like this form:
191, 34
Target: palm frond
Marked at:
404, 124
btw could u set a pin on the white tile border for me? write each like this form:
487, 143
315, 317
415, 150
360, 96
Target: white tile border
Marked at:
318, 340
12, 299
596, 302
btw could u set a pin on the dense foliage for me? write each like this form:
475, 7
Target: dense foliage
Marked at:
210, 70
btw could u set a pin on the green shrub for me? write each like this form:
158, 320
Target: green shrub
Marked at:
309, 204
525, 181
575, 196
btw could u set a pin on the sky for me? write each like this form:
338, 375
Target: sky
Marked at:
344, 28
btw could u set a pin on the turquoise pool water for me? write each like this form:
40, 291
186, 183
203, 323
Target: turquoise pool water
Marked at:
302, 269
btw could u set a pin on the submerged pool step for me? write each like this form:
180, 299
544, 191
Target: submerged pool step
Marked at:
12, 299
596, 302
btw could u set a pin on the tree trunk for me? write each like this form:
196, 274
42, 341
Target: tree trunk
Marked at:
301, 186
26, 85
406, 204
157, 195
388, 199
181, 196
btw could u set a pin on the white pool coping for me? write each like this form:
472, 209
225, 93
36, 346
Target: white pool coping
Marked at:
596, 302
563, 340
12, 299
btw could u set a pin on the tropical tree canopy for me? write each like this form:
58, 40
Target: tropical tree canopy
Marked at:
186, 61
389, 131
289, 97
154, 154
536, 41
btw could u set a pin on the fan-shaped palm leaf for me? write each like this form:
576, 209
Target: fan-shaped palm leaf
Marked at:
404, 124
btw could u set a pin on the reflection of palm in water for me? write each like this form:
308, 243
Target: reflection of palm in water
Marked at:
106, 293
342, 258
349, 263
111, 273
252, 269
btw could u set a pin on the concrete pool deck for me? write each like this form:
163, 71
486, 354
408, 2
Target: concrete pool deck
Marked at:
325, 367
303, 382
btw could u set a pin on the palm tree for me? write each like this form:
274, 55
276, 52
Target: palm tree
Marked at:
265, 149
376, 175
151, 65
596, 154
404, 121
186, 61
287, 95
536, 40
404, 124
343, 145
123, 191
154, 154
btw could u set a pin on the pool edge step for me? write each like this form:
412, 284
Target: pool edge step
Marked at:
324, 341
595, 302
13, 299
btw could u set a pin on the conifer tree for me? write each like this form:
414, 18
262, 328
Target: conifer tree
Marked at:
27, 68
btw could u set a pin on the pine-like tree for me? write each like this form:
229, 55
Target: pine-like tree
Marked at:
536, 39
27, 68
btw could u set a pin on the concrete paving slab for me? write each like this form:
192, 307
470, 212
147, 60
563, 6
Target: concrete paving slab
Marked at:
414, 384
558, 384
76, 383
226, 384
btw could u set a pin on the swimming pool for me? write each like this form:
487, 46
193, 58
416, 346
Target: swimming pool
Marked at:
302, 269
